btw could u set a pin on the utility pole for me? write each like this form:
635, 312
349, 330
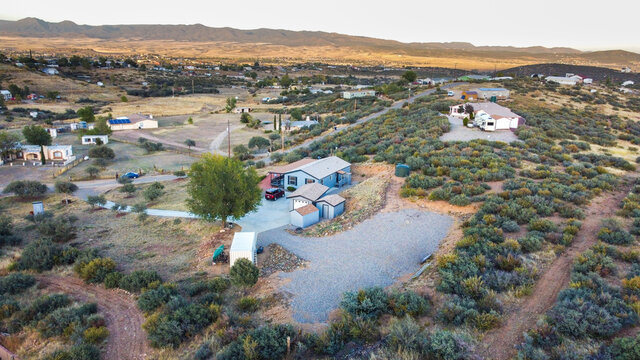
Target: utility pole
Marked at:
229, 137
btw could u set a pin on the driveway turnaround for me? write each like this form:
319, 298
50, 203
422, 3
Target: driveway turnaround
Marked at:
269, 215
375, 252
459, 132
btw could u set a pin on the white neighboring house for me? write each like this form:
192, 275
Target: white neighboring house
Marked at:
53, 132
63, 153
563, 80
587, 81
133, 122
243, 247
628, 83
50, 71
240, 110
490, 116
100, 83
93, 139
6, 94
358, 94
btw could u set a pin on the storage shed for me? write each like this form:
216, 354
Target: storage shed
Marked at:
305, 216
403, 170
243, 247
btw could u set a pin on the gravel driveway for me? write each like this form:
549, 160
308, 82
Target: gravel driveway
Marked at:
374, 253
460, 133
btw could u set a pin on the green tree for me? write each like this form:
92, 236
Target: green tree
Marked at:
275, 124
244, 273
128, 188
231, 104
258, 142
410, 76
296, 114
190, 120
65, 187
190, 143
36, 135
86, 114
52, 95
123, 98
240, 152
26, 188
273, 137
286, 81
154, 191
245, 118
102, 152
221, 188
96, 200
8, 143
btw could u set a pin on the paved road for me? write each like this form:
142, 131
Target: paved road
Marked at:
376, 252
396, 105
97, 187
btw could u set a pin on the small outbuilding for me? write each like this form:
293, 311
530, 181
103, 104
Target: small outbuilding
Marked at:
244, 247
95, 139
331, 206
305, 216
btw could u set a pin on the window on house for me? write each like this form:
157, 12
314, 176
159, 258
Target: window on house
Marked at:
293, 180
309, 181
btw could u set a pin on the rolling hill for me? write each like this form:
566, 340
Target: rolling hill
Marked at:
202, 41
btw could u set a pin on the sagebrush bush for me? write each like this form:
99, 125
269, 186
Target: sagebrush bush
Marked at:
16, 283
248, 304
95, 335
138, 280
97, 269
366, 303
152, 299
244, 273
408, 303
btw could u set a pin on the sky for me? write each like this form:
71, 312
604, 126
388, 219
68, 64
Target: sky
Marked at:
584, 24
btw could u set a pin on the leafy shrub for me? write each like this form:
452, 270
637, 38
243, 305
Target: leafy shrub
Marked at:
112, 280
510, 226
42, 306
16, 283
102, 152
217, 285
8, 307
266, 342
183, 321
615, 236
447, 345
61, 319
26, 188
248, 304
39, 255
542, 225
59, 229
204, 352
97, 269
244, 273
152, 299
138, 280
405, 334
530, 243
153, 192
408, 303
95, 335
625, 348
366, 303
179, 173
6, 232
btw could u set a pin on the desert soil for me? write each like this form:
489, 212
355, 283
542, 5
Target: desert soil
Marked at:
500, 344
127, 339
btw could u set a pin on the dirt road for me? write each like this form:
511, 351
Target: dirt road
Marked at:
127, 339
500, 343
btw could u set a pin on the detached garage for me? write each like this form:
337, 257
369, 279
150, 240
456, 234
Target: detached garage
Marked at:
243, 247
305, 216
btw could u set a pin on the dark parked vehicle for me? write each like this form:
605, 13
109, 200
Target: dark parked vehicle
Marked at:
260, 250
273, 194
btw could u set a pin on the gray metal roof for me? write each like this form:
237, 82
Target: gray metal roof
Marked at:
312, 191
324, 167
333, 199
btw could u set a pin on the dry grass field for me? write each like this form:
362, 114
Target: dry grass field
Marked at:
175, 194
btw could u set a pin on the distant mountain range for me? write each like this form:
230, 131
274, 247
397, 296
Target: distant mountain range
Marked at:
290, 43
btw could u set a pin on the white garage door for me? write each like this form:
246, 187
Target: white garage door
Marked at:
299, 203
